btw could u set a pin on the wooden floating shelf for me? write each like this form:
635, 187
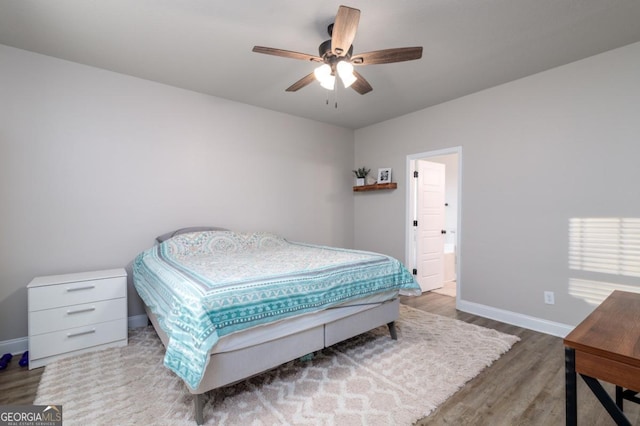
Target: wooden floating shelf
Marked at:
375, 187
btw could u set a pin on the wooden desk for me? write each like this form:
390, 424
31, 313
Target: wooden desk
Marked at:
605, 346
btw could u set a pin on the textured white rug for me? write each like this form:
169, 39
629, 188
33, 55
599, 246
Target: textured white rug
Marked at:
369, 379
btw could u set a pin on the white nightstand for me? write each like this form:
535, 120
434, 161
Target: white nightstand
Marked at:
75, 313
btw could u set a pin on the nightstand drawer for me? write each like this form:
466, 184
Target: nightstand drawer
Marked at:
55, 319
75, 293
60, 342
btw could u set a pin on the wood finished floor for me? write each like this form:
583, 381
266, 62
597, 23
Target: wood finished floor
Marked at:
524, 387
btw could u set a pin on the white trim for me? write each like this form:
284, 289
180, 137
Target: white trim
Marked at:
408, 260
14, 346
521, 320
21, 344
408, 186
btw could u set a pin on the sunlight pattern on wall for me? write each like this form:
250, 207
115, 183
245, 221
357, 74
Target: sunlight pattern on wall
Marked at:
594, 292
607, 246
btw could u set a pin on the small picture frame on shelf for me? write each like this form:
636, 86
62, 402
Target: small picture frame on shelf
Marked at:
384, 175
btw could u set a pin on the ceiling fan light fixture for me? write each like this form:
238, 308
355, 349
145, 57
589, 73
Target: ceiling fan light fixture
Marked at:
345, 71
323, 75
329, 82
337, 56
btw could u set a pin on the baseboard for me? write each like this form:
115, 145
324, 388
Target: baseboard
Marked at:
20, 345
513, 318
14, 346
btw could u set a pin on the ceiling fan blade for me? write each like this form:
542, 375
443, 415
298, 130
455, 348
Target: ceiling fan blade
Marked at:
304, 81
286, 53
387, 56
361, 85
344, 30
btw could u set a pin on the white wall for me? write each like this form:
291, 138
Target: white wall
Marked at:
94, 165
536, 153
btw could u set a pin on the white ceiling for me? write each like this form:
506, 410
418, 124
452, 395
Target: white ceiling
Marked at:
205, 45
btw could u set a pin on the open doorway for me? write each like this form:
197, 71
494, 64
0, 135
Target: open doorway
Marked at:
433, 222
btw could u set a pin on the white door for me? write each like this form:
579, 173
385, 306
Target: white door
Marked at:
430, 216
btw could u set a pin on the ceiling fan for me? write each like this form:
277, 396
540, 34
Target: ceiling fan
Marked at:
337, 58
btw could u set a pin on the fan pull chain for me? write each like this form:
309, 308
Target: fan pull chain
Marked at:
335, 97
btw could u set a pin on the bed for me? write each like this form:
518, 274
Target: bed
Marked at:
230, 305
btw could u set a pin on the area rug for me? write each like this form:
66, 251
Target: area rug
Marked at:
366, 380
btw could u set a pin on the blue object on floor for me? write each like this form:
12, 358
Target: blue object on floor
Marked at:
24, 360
307, 357
4, 361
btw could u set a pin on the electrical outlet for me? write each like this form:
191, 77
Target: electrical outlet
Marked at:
549, 298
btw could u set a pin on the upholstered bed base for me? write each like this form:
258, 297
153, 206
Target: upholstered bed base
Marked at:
228, 367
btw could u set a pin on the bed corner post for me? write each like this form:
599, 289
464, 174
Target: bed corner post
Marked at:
392, 330
198, 405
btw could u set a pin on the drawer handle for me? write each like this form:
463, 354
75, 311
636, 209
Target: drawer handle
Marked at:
88, 287
81, 333
79, 311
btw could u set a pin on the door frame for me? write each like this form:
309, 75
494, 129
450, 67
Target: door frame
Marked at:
410, 260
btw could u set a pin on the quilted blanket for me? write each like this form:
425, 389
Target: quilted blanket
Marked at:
205, 285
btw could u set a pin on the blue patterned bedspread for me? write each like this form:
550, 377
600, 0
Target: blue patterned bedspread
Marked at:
205, 285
